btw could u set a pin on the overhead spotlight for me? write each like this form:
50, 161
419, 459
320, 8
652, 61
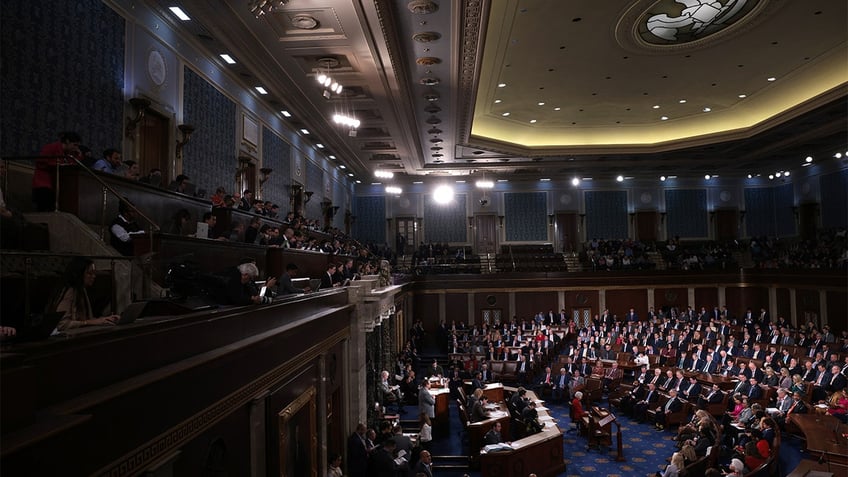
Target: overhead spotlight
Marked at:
443, 194
620, 178
393, 190
383, 174
771, 176
786, 174
575, 182
346, 121
662, 178
485, 184
810, 158
750, 176
838, 155
707, 177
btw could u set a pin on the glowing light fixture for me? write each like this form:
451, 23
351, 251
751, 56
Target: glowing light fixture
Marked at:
575, 182
383, 174
261, 90
394, 190
229, 59
179, 13
485, 184
443, 194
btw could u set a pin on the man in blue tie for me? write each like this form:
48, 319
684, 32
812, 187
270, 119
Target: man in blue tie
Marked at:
560, 388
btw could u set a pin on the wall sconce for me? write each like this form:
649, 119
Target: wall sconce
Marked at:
140, 106
470, 222
185, 130
266, 173
308, 195
551, 219
500, 221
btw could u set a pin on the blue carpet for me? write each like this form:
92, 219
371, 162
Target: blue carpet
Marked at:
645, 449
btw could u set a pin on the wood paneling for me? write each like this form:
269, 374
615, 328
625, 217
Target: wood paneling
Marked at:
837, 309
784, 307
671, 297
456, 307
527, 304
620, 302
427, 310
646, 225
706, 297
582, 299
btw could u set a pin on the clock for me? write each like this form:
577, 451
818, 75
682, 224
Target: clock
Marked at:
156, 67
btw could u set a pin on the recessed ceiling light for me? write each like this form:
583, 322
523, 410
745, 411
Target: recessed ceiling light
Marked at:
497, 101
682, 101
662, 178
771, 176
504, 114
786, 174
743, 95
532, 121
342, 166
620, 178
417, 182
285, 113
331, 156
656, 106
229, 59
460, 182
772, 78
664, 118
544, 179
810, 158
503, 180
541, 103
393, 190
557, 108
376, 183
501, 85
575, 181
707, 110
261, 90
304, 131
319, 145
357, 181
838, 155
179, 13
707, 177
750, 176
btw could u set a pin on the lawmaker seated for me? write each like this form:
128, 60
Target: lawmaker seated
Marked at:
72, 300
241, 287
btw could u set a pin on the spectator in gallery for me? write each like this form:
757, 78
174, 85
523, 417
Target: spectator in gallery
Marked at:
110, 163
44, 176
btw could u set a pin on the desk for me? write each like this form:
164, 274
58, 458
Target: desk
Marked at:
724, 383
540, 453
442, 411
807, 465
825, 436
493, 391
477, 430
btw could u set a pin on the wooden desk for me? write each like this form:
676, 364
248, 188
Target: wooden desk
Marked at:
540, 453
477, 430
442, 410
725, 383
493, 391
807, 465
826, 436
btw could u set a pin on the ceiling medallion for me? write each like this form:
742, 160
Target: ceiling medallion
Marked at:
430, 81
426, 37
428, 61
304, 22
431, 97
422, 7
436, 140
432, 109
436, 148
434, 120
438, 155
434, 131
668, 22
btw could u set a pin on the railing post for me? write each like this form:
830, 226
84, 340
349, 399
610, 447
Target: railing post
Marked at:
103, 214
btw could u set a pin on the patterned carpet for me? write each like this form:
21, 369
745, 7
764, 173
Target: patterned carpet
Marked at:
645, 450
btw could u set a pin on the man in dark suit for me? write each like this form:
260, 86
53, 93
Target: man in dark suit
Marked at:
692, 391
478, 412
713, 397
327, 278
382, 462
425, 464
357, 453
494, 435
641, 407
754, 391
837, 379
674, 404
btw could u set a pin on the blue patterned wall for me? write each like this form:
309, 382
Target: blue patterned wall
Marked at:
526, 216
834, 204
370, 225
62, 70
686, 213
276, 154
339, 199
446, 222
315, 183
759, 212
784, 200
606, 214
210, 158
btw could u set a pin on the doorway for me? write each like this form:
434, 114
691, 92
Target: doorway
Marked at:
406, 236
485, 234
154, 145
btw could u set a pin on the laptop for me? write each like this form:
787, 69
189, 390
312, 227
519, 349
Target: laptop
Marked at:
315, 284
202, 230
39, 326
132, 312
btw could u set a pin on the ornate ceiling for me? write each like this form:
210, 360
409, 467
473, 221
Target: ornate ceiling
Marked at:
548, 88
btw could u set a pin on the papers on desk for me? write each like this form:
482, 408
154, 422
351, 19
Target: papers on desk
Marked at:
496, 447
497, 414
772, 410
821, 406
547, 418
541, 408
539, 402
